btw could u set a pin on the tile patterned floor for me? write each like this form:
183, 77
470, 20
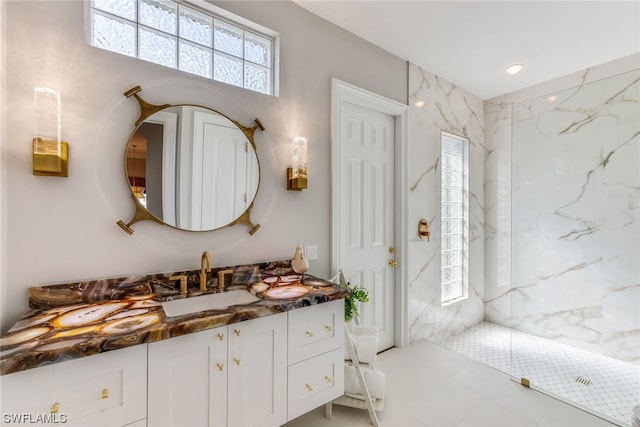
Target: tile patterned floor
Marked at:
613, 386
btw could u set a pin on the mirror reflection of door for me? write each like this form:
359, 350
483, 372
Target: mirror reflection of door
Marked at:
223, 186
159, 133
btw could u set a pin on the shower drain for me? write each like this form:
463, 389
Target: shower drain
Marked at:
583, 380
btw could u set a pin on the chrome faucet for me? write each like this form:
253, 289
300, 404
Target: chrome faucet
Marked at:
205, 267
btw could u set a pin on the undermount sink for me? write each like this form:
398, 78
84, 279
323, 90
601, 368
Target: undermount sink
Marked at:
219, 301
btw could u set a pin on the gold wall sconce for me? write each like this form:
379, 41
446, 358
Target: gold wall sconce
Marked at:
297, 173
423, 230
50, 153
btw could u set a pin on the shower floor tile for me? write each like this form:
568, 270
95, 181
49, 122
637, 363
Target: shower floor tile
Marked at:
608, 386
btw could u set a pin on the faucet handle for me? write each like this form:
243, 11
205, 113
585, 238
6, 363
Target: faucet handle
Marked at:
221, 276
183, 282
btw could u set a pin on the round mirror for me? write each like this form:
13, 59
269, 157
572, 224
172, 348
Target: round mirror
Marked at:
192, 168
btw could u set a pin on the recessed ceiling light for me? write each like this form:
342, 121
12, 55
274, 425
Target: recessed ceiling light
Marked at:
419, 104
552, 98
514, 69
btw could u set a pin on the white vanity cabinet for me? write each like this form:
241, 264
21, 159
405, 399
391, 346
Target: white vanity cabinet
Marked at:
107, 389
259, 372
233, 375
316, 357
185, 385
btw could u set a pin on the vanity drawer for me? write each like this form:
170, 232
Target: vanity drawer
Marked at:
314, 382
108, 389
315, 330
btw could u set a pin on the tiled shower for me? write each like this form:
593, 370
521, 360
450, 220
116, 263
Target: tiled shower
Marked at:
560, 289
571, 236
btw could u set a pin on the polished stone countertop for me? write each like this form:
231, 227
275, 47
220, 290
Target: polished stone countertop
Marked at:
74, 320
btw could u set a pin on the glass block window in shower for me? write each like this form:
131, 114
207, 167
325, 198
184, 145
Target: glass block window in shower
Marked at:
199, 39
454, 218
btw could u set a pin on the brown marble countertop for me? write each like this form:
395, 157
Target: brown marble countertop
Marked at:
81, 319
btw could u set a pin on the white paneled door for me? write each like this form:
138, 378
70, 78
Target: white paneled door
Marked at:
365, 210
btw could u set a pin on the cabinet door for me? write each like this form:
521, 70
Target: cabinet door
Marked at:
187, 380
258, 372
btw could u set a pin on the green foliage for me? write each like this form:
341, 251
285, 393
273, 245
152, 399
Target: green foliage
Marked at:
350, 302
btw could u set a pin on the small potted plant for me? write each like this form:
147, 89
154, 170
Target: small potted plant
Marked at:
356, 294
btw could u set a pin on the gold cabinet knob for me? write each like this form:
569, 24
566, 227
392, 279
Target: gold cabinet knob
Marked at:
220, 337
237, 332
328, 328
220, 367
309, 334
328, 379
237, 360
309, 387
55, 407
392, 263
105, 393
392, 250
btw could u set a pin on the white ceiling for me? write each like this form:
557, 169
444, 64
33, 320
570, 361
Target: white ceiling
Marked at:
470, 43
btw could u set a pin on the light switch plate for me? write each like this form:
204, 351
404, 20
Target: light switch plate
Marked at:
311, 252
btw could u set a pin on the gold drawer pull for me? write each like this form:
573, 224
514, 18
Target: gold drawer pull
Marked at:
237, 332
237, 360
220, 367
309, 387
328, 379
105, 393
309, 334
55, 408
220, 337
328, 328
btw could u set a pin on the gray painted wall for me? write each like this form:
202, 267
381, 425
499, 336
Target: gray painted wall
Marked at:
64, 229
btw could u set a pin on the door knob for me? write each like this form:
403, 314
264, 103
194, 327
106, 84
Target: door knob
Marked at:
392, 263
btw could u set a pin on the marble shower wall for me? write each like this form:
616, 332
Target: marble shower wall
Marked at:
451, 109
575, 215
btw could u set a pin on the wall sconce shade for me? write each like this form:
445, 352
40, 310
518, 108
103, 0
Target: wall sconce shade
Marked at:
50, 153
297, 173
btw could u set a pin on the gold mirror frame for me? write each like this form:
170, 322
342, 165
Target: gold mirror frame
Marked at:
141, 212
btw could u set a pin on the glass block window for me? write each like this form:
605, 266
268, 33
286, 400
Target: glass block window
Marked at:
454, 186
205, 41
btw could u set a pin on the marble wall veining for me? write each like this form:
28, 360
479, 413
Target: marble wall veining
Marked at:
575, 220
451, 109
